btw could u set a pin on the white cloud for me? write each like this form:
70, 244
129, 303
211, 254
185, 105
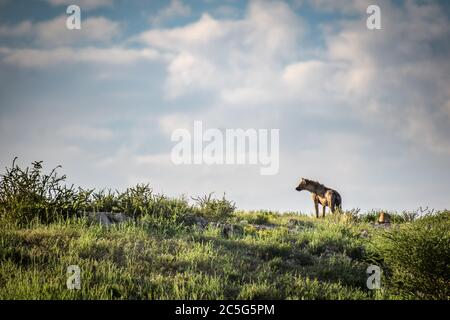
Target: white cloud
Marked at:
360, 115
83, 4
54, 32
175, 9
232, 57
41, 58
258, 60
310, 80
347, 7
202, 31
171, 122
93, 29
226, 11
397, 72
23, 28
158, 159
190, 71
87, 133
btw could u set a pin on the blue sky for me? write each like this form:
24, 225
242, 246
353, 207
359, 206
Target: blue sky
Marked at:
366, 112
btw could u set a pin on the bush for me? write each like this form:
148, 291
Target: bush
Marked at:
404, 216
139, 201
262, 217
214, 209
27, 194
416, 257
176, 210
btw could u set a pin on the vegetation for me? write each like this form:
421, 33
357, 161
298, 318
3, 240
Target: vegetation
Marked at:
163, 252
417, 256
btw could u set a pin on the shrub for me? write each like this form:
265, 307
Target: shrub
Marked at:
173, 209
140, 201
404, 216
27, 194
262, 217
137, 200
416, 256
215, 209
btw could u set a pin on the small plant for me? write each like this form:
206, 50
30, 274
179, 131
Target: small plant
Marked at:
136, 201
409, 216
215, 209
395, 217
262, 217
416, 256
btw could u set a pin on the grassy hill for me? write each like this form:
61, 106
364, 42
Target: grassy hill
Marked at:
177, 249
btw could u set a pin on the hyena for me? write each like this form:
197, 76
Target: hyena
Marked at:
320, 194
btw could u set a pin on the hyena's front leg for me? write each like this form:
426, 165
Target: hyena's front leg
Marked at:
323, 211
316, 206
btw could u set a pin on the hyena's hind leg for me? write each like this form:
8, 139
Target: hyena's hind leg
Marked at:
336, 203
333, 207
339, 203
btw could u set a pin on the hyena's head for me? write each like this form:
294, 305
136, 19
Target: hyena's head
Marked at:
303, 183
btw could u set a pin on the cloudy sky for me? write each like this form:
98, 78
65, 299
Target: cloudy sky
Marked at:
366, 112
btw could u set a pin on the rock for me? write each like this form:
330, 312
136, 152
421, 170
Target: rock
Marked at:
229, 229
292, 223
327, 253
385, 225
299, 224
263, 227
118, 217
108, 218
200, 222
364, 234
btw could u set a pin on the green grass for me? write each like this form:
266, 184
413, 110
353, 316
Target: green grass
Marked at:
161, 253
315, 259
135, 261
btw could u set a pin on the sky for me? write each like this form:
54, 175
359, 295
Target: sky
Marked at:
366, 112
